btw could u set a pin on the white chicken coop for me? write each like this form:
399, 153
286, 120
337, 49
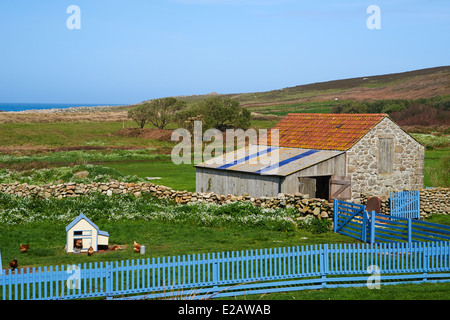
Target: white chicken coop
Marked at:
82, 233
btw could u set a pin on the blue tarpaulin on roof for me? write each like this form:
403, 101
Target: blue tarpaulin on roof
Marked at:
269, 160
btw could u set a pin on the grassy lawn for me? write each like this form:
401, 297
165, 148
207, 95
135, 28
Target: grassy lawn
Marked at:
433, 141
64, 134
177, 177
41, 138
437, 168
47, 241
422, 291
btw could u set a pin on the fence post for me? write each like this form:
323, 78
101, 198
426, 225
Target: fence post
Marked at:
109, 281
426, 261
215, 271
418, 204
364, 227
335, 214
323, 256
372, 227
409, 231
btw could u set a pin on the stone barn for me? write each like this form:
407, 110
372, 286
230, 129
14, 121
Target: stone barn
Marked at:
323, 155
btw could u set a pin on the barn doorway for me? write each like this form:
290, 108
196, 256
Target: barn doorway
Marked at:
323, 187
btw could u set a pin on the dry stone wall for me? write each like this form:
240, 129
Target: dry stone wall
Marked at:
319, 208
434, 200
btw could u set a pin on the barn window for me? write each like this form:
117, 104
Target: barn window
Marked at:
386, 155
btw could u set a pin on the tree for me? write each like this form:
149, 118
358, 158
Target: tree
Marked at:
159, 112
162, 111
139, 115
222, 113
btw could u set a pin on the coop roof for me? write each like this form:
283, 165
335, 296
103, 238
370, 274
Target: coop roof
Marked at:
269, 160
81, 217
324, 131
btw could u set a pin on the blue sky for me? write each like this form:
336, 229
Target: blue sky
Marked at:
134, 50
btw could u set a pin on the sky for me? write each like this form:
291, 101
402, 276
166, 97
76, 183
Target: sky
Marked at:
128, 51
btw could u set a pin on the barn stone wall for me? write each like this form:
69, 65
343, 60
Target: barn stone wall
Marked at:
363, 162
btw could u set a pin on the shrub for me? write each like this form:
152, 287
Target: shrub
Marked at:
320, 226
316, 226
393, 107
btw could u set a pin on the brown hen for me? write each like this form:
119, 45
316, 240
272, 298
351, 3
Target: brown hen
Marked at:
24, 247
137, 247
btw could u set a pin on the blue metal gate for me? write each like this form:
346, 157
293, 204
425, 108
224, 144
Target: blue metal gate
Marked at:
405, 204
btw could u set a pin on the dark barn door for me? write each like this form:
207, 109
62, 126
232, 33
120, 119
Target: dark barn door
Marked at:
340, 188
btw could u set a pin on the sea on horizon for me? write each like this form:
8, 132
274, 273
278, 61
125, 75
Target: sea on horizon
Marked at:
11, 107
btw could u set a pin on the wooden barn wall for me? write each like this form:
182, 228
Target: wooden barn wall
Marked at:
333, 166
236, 183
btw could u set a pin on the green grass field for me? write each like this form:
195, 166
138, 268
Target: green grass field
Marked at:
49, 139
304, 107
47, 241
422, 291
65, 134
437, 168
177, 177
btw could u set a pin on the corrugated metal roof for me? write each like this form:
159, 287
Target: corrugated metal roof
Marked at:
324, 131
268, 160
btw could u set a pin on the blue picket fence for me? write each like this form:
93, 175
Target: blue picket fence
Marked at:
405, 204
353, 220
234, 273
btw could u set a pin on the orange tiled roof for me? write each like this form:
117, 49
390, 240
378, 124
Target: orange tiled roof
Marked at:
324, 131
